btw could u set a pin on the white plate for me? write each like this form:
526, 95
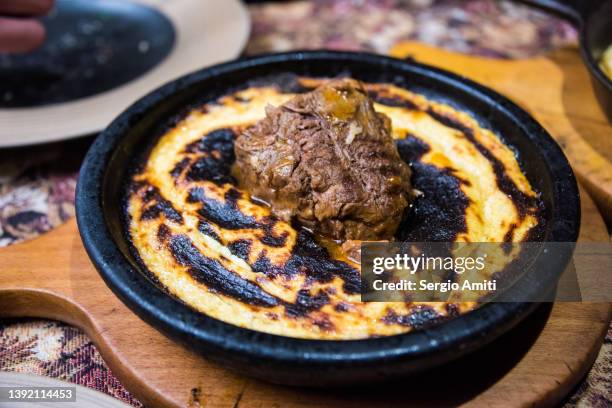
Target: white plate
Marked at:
207, 32
85, 397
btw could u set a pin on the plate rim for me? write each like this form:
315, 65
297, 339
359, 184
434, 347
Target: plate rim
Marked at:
83, 117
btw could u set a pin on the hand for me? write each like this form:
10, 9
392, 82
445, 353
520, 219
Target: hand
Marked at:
19, 31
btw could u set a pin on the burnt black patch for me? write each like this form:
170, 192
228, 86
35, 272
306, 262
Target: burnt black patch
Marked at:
214, 275
510, 233
179, 168
272, 316
163, 233
241, 248
265, 266
159, 206
268, 237
262, 264
225, 214
538, 232
232, 196
342, 307
216, 156
324, 323
419, 317
148, 193
411, 148
306, 303
393, 101
207, 229
313, 260
221, 140
437, 215
522, 201
228, 215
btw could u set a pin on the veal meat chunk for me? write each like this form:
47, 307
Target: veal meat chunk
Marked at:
327, 159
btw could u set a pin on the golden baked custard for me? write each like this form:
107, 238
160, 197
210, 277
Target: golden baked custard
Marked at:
209, 244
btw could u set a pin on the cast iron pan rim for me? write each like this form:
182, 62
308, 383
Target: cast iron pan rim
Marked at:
189, 326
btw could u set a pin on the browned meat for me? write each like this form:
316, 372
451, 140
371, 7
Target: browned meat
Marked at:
327, 159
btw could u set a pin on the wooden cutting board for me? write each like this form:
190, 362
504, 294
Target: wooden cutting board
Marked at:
537, 363
556, 90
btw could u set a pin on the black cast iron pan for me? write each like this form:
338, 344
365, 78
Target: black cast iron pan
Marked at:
298, 361
594, 19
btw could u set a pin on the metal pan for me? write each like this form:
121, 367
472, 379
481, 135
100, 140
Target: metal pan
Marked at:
297, 361
594, 19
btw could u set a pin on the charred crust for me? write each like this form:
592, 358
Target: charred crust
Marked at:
323, 323
306, 303
265, 266
159, 206
393, 101
178, 169
537, 232
307, 256
411, 148
163, 232
419, 317
218, 139
147, 193
225, 215
313, 260
439, 214
241, 248
268, 237
272, 316
523, 202
342, 307
214, 275
510, 233
208, 230
215, 152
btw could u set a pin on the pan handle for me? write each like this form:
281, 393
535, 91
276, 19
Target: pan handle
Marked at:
576, 11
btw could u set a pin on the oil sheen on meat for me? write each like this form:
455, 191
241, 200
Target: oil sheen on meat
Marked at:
327, 159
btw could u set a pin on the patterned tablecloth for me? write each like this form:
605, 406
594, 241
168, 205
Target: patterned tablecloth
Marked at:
37, 184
